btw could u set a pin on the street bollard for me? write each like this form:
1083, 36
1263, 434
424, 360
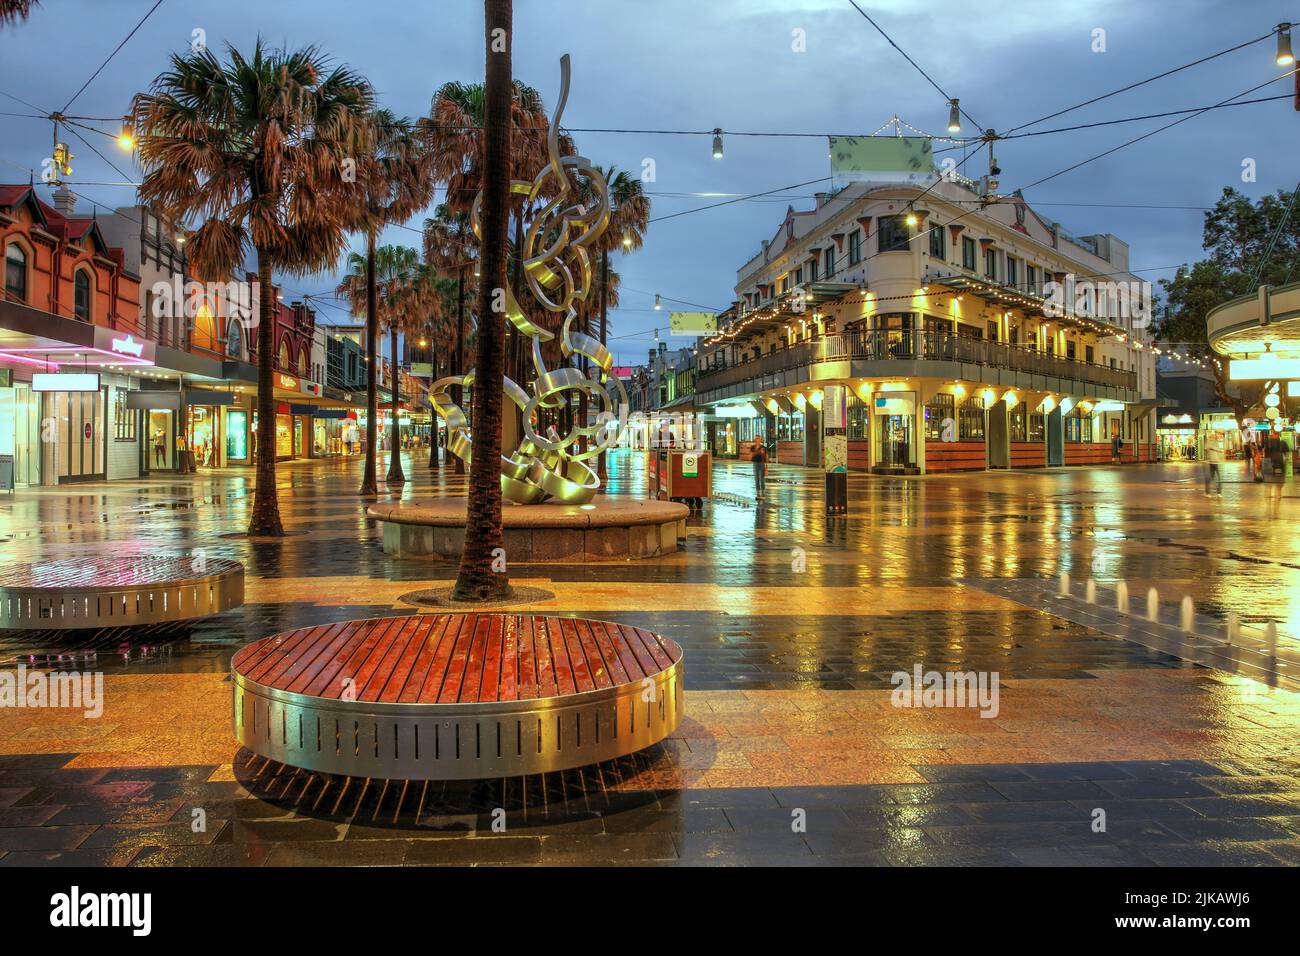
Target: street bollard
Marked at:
1189, 615
1065, 584
1153, 606
1234, 626
1121, 597
1090, 591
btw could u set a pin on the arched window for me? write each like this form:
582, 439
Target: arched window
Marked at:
286, 363
234, 339
304, 365
16, 272
81, 295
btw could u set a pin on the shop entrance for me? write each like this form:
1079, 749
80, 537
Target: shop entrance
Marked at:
77, 450
895, 448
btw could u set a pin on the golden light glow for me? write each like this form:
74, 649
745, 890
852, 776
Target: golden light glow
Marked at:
815, 399
1047, 404
1270, 367
959, 389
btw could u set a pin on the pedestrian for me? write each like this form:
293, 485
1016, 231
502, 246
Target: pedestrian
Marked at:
758, 454
1257, 459
1213, 459
1116, 446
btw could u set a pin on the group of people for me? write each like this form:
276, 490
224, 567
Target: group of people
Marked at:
1265, 461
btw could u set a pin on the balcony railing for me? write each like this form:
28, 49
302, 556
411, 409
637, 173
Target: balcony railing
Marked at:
878, 346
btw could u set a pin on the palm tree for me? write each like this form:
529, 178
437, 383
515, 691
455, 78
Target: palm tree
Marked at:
383, 273
450, 248
11, 11
394, 181
628, 221
476, 579
256, 149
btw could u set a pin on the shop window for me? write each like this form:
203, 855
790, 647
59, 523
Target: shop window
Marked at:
1019, 422
859, 418
1037, 427
1078, 427
855, 247
81, 295
830, 261
937, 409
991, 264
124, 417
1013, 271
16, 272
970, 419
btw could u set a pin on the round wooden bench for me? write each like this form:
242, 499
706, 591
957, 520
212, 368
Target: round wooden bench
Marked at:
456, 696
116, 592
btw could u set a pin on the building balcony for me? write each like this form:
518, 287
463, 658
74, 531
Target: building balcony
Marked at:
899, 355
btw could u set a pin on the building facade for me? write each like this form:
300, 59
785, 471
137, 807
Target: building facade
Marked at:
967, 334
71, 334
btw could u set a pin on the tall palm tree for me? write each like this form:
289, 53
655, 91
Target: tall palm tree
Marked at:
256, 149
449, 246
417, 309
11, 11
383, 273
477, 580
394, 181
628, 221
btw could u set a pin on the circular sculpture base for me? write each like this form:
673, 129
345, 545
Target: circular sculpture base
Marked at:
116, 592
609, 529
456, 696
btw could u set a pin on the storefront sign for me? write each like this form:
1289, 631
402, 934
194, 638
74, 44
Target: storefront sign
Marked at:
690, 465
286, 381
835, 406
127, 346
7, 472
65, 382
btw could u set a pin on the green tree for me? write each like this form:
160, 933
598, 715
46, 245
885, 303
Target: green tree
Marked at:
394, 180
255, 149
1239, 235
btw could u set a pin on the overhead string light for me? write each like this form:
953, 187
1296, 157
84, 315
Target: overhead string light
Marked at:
954, 116
1284, 55
717, 142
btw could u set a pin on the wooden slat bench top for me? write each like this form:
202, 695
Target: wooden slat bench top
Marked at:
113, 573
456, 658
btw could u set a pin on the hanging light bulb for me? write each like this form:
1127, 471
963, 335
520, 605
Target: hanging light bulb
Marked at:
658, 301
1284, 55
126, 139
627, 240
717, 143
954, 116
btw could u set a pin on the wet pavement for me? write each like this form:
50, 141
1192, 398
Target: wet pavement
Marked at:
1102, 751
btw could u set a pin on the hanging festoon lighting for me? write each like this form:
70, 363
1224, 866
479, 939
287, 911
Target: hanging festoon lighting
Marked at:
1284, 55
658, 301
126, 139
954, 116
717, 142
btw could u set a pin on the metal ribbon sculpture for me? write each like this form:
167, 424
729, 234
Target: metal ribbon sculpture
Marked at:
557, 269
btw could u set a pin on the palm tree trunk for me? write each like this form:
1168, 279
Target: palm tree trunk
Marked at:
265, 519
477, 579
602, 472
369, 483
395, 474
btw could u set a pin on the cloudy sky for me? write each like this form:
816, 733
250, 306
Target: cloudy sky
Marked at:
692, 65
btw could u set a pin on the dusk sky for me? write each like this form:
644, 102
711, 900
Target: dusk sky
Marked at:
687, 65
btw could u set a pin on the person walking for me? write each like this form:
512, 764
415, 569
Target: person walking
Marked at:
758, 455
1213, 461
